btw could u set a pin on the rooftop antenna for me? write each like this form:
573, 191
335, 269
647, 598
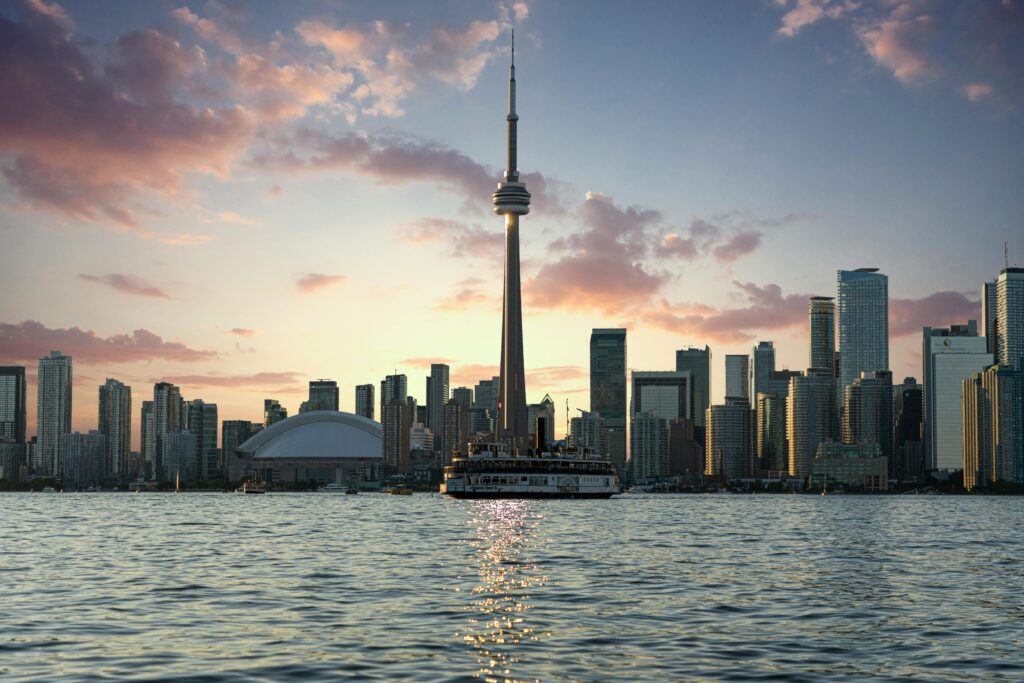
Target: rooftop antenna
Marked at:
1006, 254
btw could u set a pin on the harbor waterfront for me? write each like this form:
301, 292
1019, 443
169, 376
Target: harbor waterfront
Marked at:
424, 587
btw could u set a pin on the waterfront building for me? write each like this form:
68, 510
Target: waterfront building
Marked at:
737, 376
762, 365
323, 395
990, 316
589, 431
168, 409
396, 425
115, 424
13, 405
147, 431
608, 389
868, 413
480, 421
392, 387
698, 363
437, 397
685, 455
648, 446
84, 459
181, 455
455, 435
541, 423
463, 395
821, 351
810, 418
273, 412
860, 467
421, 438
729, 451
512, 201
1010, 318
664, 393
485, 395
770, 432
53, 416
949, 356
202, 422
365, 401
12, 459
993, 427
908, 447
234, 433
863, 324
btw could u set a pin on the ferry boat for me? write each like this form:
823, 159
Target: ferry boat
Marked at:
251, 487
338, 488
491, 470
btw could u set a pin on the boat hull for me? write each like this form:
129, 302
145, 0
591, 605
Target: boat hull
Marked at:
526, 494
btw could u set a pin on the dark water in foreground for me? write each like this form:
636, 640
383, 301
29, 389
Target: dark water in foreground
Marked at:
209, 587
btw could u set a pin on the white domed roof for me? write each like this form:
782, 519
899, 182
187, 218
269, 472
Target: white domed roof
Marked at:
317, 434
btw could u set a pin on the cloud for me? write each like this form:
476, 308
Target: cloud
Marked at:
941, 309
901, 40
29, 340
737, 246
806, 12
603, 263
425, 362
259, 380
521, 11
89, 141
275, 191
468, 294
242, 331
397, 160
185, 240
128, 284
975, 92
766, 308
312, 282
470, 374
232, 217
462, 239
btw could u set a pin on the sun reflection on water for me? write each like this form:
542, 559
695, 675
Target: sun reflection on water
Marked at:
498, 626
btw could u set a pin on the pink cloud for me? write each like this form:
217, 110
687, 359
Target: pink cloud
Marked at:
976, 92
941, 309
242, 331
313, 282
468, 294
469, 375
29, 340
463, 240
901, 40
258, 380
737, 246
425, 361
128, 284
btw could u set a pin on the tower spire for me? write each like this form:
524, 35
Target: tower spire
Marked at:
511, 172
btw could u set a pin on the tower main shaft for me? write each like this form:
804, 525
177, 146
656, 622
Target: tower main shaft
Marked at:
512, 201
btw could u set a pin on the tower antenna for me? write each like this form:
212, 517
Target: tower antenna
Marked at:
1006, 254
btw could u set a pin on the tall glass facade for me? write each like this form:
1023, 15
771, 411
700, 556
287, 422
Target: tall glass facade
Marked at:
608, 388
863, 324
821, 313
1010, 317
12, 404
698, 363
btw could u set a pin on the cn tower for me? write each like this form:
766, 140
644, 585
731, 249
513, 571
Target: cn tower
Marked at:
512, 201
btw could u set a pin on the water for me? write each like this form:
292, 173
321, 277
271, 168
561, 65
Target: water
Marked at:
212, 587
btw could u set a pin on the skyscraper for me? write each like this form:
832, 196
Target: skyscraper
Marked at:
648, 453
770, 431
115, 424
990, 315
762, 365
863, 324
273, 412
323, 394
666, 394
867, 413
512, 201
821, 314
53, 416
396, 423
608, 388
1010, 317
589, 431
83, 457
233, 433
729, 451
737, 376
12, 403
810, 418
486, 395
455, 430
147, 430
463, 395
948, 356
540, 420
437, 396
907, 444
685, 455
365, 400
167, 411
202, 422
392, 387
993, 426
698, 363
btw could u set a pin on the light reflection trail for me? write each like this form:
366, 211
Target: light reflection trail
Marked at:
498, 625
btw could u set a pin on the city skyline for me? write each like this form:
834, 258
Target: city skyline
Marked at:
248, 311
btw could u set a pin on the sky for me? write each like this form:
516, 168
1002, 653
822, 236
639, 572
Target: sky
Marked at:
240, 197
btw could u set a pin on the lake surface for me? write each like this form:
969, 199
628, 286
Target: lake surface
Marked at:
220, 587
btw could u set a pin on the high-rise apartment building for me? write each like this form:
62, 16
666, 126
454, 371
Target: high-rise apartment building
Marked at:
762, 365
233, 433
323, 394
868, 413
993, 427
202, 422
486, 395
907, 444
437, 397
589, 431
821, 314
365, 401
863, 324
12, 404
181, 455
169, 415
698, 363
949, 356
392, 387
737, 376
147, 431
397, 420
53, 416
685, 455
990, 315
770, 432
1010, 318
455, 437
608, 388
729, 451
463, 395
273, 412
648, 453
84, 458
810, 418
115, 424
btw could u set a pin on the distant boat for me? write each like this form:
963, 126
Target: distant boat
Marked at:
399, 491
338, 488
49, 489
250, 488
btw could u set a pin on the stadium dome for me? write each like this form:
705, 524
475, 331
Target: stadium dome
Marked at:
320, 434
